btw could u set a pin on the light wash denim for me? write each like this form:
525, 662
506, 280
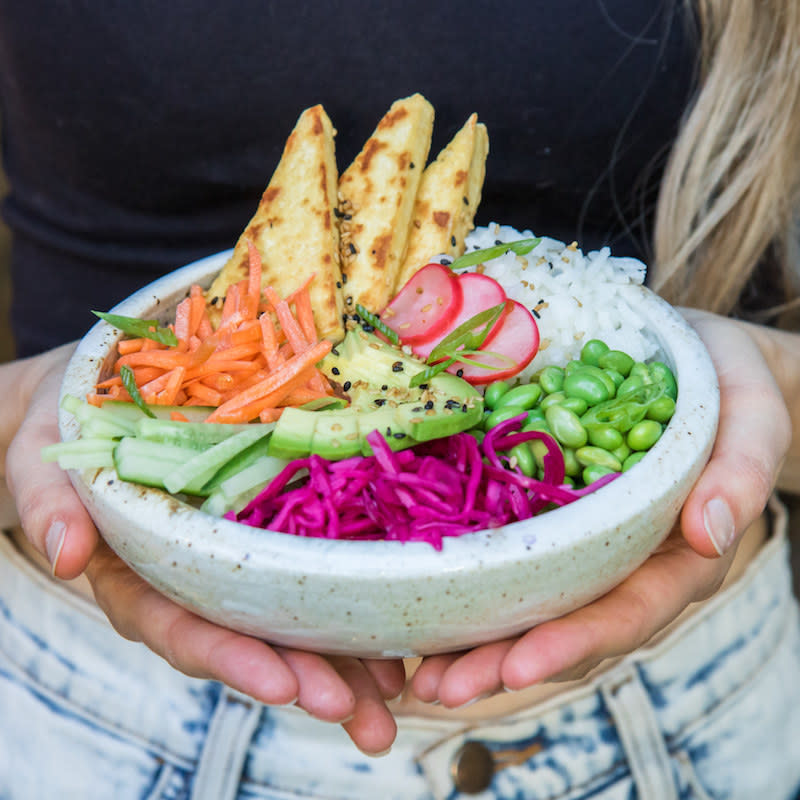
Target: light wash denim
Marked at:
710, 713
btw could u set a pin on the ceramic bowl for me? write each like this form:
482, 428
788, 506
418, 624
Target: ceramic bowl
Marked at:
387, 599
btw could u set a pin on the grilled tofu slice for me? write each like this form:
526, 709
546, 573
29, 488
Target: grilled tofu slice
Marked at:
448, 199
376, 200
295, 228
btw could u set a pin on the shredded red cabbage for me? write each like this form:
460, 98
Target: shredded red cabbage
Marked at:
446, 487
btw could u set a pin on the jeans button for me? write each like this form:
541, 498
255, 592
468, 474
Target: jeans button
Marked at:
472, 768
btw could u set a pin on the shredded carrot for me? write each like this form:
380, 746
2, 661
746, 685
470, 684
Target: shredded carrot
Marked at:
261, 358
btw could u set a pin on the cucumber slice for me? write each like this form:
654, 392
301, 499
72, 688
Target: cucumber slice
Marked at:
198, 435
149, 463
194, 474
81, 453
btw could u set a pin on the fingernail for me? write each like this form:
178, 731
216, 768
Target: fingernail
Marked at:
54, 541
379, 755
719, 524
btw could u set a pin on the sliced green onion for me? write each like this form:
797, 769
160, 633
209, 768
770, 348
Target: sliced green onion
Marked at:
521, 247
465, 336
129, 382
139, 328
423, 376
375, 321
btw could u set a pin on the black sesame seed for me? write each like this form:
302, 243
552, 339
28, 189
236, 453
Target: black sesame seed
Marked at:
498, 241
344, 278
349, 299
423, 386
400, 435
466, 200
336, 212
417, 409
367, 328
460, 373
445, 262
385, 387
353, 250
536, 313
335, 370
397, 366
453, 241
347, 385
334, 351
429, 405
338, 284
412, 165
380, 401
464, 408
347, 216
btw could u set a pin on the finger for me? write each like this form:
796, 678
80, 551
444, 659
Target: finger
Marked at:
477, 674
189, 643
372, 727
389, 675
51, 514
323, 693
619, 622
752, 440
428, 676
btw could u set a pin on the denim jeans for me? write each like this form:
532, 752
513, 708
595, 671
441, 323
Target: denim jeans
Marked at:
710, 712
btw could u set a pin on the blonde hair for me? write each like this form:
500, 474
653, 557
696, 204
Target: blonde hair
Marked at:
731, 186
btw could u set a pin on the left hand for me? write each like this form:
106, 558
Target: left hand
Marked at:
688, 567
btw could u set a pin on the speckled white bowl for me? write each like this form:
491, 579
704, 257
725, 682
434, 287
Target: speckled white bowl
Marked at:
388, 598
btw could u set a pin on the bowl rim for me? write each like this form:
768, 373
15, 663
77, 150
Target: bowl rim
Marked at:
627, 496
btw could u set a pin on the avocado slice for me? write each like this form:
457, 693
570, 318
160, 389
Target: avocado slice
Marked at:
336, 435
376, 377
293, 435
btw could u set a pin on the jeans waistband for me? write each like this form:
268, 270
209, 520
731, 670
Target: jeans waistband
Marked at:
63, 643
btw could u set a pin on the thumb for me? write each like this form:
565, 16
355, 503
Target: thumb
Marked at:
753, 438
51, 513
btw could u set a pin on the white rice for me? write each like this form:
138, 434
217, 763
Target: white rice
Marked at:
575, 297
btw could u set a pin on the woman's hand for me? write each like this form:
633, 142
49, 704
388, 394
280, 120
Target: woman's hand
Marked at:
753, 438
343, 690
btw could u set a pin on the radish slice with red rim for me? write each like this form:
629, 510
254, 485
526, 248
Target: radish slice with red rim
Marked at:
515, 340
425, 306
479, 292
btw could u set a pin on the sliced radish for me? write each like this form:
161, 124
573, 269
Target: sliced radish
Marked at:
516, 338
425, 306
479, 292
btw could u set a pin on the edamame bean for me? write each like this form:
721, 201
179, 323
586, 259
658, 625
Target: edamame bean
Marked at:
535, 413
592, 351
522, 456
572, 366
659, 371
501, 415
575, 404
631, 384
615, 376
551, 379
589, 455
643, 435
536, 424
586, 386
594, 472
641, 370
571, 466
633, 459
621, 453
605, 436
524, 396
616, 360
566, 426
551, 400
661, 409
588, 369
494, 391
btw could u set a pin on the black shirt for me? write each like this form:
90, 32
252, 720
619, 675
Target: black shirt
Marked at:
139, 136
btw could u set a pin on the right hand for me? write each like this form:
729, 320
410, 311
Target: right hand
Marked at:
349, 691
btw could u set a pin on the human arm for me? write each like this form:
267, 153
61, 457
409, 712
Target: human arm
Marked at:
41, 497
754, 449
